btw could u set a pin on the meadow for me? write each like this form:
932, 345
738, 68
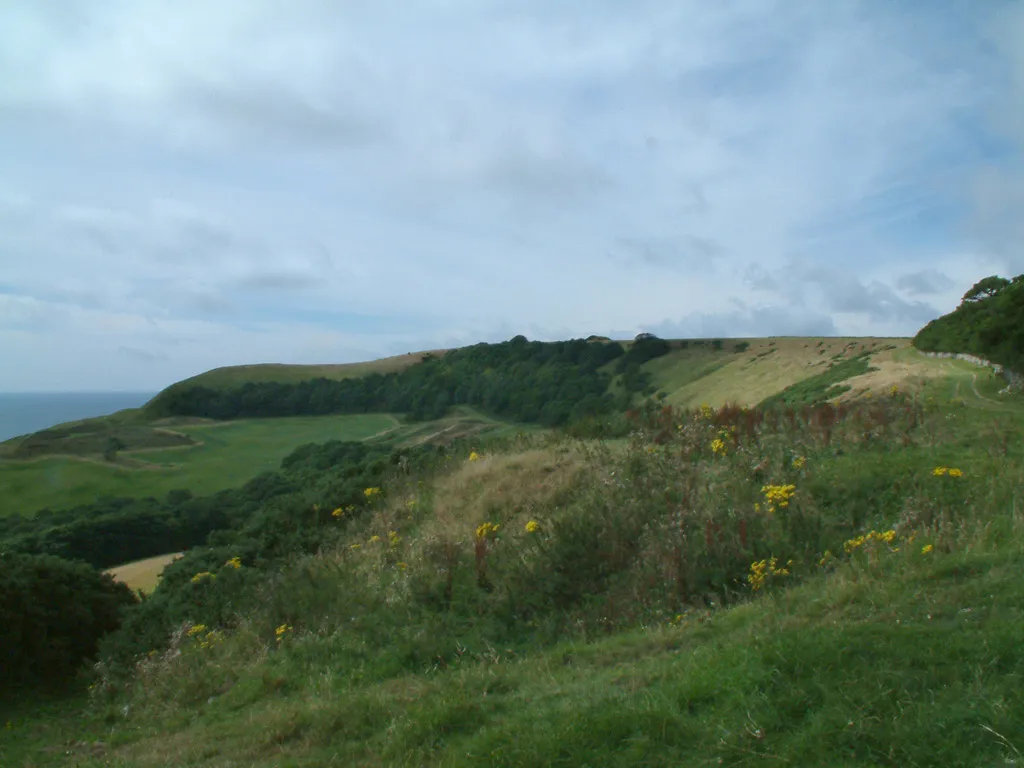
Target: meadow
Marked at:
826, 585
227, 455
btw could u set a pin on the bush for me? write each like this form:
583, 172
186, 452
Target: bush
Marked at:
53, 613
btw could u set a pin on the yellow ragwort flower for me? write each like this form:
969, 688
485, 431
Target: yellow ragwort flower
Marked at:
487, 530
234, 562
532, 527
926, 549
474, 456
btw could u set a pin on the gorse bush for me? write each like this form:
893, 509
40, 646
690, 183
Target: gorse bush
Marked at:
52, 616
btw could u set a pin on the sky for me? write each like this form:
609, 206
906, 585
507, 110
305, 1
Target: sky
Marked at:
191, 184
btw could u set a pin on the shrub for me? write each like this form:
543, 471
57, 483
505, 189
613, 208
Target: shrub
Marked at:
53, 613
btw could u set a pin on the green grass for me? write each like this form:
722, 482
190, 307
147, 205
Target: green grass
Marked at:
912, 662
229, 454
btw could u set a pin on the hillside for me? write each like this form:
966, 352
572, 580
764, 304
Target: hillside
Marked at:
821, 587
237, 375
149, 452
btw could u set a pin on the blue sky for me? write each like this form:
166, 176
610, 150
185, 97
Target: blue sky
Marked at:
193, 184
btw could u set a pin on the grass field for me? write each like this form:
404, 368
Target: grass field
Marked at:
143, 575
228, 455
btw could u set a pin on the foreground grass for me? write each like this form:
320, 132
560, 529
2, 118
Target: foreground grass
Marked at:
228, 455
912, 661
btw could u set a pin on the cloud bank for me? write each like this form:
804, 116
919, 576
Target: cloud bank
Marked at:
198, 184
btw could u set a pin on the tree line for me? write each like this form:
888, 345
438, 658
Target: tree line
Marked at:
549, 383
989, 323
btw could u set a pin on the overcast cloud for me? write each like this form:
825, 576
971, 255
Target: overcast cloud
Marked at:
192, 184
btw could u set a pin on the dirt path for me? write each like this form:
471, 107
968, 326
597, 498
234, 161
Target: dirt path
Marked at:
977, 394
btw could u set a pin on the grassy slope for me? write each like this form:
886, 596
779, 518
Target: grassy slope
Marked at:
228, 455
692, 377
236, 375
912, 664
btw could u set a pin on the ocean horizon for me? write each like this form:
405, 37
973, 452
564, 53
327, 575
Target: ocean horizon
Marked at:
22, 413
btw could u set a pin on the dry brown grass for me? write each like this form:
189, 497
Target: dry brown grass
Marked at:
504, 488
143, 574
768, 366
903, 367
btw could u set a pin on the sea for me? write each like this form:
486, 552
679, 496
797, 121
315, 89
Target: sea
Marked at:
24, 413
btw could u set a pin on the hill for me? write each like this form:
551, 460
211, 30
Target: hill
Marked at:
822, 586
151, 452
237, 375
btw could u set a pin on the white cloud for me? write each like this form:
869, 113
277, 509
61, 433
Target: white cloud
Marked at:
357, 177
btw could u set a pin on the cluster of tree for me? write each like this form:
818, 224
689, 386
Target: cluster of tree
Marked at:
988, 323
534, 382
52, 615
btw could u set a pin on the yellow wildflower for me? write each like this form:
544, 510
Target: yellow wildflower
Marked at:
939, 471
338, 512
778, 495
201, 576
374, 539
474, 456
763, 569
926, 549
798, 462
532, 527
196, 629
371, 492
487, 530
718, 446
394, 539
956, 473
281, 632
234, 562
